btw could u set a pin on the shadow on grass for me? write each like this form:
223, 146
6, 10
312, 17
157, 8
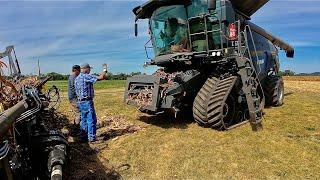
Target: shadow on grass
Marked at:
270, 106
288, 93
84, 163
167, 120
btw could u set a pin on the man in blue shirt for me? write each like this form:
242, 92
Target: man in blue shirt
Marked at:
85, 93
72, 94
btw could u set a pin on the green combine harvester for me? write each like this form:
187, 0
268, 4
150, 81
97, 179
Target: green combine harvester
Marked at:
212, 60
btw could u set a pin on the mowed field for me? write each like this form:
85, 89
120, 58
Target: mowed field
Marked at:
287, 148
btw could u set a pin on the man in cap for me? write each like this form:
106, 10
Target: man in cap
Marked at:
72, 94
85, 93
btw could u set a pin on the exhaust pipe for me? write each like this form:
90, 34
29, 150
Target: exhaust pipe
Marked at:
57, 158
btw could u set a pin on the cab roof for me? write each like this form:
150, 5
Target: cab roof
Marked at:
247, 7
145, 11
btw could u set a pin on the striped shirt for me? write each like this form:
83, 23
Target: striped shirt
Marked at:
84, 85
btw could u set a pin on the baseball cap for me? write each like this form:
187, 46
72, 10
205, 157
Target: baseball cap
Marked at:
85, 65
76, 67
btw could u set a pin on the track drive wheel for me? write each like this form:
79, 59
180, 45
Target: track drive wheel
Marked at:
214, 105
274, 91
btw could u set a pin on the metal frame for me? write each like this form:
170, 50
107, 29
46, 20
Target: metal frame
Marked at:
145, 81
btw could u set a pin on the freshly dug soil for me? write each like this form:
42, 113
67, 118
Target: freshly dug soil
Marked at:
85, 162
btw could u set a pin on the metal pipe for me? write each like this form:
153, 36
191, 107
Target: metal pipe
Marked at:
10, 115
57, 158
56, 173
276, 41
248, 7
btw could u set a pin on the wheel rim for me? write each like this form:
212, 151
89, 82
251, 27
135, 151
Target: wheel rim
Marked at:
280, 93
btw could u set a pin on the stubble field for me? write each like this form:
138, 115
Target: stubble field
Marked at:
162, 148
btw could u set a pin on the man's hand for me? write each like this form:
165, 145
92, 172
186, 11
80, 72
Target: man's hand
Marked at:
104, 72
105, 67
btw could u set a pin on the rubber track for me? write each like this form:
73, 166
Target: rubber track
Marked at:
209, 102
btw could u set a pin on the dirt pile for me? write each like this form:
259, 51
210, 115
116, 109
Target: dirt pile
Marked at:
143, 98
113, 126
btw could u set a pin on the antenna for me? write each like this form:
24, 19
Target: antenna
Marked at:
39, 71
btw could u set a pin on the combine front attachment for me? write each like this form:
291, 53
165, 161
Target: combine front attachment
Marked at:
143, 92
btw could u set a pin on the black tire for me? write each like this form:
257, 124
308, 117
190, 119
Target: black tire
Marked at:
274, 91
214, 106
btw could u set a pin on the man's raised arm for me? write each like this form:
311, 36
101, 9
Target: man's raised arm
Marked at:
104, 72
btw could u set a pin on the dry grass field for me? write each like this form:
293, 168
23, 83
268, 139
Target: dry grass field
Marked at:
287, 148
302, 78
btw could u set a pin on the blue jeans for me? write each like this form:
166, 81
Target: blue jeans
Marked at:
88, 124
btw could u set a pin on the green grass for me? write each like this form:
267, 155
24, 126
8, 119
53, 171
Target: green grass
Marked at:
63, 85
287, 148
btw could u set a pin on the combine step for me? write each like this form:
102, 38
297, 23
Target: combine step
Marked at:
214, 106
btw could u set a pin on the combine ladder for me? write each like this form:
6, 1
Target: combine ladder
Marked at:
249, 76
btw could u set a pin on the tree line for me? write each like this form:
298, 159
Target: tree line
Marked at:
292, 73
121, 76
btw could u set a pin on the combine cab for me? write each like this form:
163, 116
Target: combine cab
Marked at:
212, 60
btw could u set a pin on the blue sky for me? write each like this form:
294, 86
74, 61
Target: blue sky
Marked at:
63, 33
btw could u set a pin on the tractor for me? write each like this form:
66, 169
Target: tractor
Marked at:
212, 59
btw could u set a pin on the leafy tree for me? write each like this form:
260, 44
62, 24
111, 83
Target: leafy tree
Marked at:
120, 76
56, 76
135, 73
287, 73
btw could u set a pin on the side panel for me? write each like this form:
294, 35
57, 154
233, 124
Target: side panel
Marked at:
266, 55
